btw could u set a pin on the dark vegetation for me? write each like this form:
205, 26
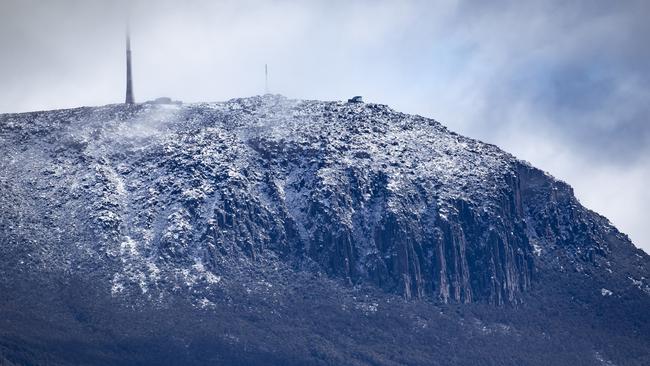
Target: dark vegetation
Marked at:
318, 322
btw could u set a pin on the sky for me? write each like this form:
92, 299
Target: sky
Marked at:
564, 85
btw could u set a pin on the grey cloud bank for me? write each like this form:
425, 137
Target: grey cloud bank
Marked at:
562, 85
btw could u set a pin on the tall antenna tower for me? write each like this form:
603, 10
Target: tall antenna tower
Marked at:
129, 80
266, 79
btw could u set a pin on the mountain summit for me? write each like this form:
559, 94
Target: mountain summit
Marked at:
268, 231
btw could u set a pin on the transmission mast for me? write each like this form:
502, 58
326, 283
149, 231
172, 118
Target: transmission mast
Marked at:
129, 79
266, 79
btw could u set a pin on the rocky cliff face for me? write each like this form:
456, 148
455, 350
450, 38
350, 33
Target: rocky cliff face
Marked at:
155, 200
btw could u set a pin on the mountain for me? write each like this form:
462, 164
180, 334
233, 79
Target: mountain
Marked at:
270, 231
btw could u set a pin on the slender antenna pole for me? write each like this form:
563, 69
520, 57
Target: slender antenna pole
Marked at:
129, 79
266, 79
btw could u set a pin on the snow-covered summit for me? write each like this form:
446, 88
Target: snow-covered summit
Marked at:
270, 231
163, 197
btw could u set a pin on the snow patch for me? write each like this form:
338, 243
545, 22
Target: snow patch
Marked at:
606, 292
537, 250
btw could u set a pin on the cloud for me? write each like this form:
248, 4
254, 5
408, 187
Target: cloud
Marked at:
565, 85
